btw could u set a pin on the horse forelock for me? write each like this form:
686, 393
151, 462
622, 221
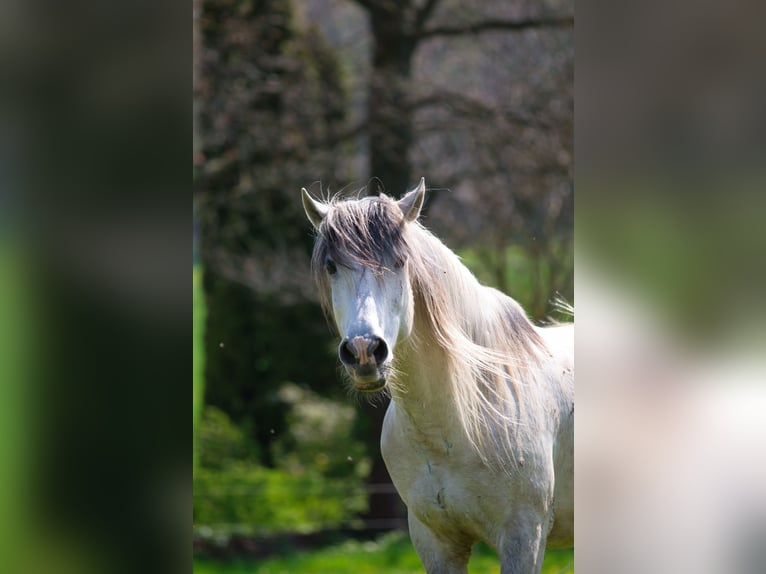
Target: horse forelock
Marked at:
368, 232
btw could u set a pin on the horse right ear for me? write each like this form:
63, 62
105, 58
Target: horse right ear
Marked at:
315, 210
412, 203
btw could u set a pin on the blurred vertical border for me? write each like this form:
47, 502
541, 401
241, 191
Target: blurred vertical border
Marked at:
670, 155
95, 305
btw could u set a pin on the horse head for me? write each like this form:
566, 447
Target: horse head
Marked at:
360, 263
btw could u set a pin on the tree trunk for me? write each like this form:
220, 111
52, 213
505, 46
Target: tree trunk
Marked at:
388, 112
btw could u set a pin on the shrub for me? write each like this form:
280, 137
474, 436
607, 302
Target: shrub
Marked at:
310, 490
251, 499
320, 437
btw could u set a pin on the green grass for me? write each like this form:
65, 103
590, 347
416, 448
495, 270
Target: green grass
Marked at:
391, 554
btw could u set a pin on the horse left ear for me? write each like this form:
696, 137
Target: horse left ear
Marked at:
412, 203
315, 210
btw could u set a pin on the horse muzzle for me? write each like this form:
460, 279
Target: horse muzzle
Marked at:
365, 358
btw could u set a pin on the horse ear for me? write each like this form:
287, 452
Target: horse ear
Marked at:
315, 210
412, 203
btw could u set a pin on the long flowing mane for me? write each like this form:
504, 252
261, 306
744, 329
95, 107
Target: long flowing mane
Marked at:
492, 350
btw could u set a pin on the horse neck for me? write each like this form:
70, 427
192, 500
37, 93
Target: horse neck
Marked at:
433, 377
425, 393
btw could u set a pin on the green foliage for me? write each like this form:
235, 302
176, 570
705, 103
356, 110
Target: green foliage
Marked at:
198, 354
534, 281
319, 437
392, 553
252, 342
271, 100
232, 493
221, 442
319, 480
251, 499
18, 330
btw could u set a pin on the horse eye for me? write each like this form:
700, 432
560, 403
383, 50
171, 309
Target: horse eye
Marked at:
332, 269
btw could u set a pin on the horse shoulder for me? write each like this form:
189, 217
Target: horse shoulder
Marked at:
559, 340
391, 446
402, 460
447, 487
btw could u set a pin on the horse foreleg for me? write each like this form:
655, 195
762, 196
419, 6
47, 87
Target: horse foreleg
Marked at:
438, 554
523, 548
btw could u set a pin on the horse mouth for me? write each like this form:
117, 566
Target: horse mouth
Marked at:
370, 387
368, 380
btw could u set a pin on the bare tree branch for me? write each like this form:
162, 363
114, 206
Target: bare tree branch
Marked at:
476, 108
423, 15
499, 25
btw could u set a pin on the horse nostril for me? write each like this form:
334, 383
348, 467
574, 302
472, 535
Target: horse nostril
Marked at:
379, 350
363, 350
346, 353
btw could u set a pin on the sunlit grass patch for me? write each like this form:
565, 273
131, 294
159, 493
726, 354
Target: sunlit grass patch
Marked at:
392, 553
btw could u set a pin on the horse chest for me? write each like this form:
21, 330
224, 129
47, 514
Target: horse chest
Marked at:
438, 493
446, 490
450, 499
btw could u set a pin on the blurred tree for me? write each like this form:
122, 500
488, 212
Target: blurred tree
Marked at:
267, 99
398, 29
502, 140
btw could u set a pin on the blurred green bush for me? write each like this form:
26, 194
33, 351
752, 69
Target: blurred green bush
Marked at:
318, 483
320, 437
